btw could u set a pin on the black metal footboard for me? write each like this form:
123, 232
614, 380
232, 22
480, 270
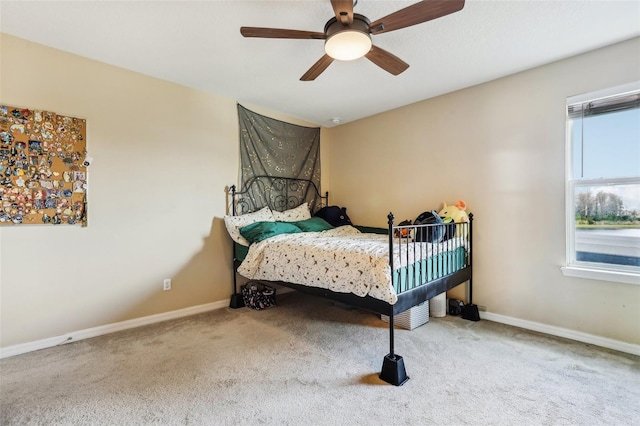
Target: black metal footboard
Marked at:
446, 266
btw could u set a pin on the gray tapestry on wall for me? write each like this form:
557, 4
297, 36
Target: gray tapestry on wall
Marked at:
270, 147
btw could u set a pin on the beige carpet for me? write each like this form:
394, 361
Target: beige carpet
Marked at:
310, 361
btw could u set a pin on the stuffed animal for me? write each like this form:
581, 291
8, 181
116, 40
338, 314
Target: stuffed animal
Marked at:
457, 214
404, 232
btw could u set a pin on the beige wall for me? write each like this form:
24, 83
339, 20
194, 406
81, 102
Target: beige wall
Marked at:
163, 155
499, 146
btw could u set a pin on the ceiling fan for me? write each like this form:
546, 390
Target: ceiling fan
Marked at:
347, 36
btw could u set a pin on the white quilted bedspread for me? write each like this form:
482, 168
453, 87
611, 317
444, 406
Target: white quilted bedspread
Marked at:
340, 259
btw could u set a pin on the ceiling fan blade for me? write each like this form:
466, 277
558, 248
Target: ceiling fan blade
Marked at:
415, 14
280, 33
387, 61
343, 10
317, 68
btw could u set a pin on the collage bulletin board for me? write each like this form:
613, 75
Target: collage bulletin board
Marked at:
43, 168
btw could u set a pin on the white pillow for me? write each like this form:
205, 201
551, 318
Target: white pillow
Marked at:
234, 223
293, 215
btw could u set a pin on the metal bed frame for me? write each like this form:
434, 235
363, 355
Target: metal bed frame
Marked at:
281, 193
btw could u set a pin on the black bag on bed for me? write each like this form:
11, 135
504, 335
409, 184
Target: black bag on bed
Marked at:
258, 296
429, 234
334, 215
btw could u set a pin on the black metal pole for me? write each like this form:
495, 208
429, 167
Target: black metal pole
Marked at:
470, 311
233, 263
391, 338
390, 219
470, 257
235, 301
393, 370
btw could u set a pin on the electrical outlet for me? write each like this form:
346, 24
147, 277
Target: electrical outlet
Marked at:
166, 285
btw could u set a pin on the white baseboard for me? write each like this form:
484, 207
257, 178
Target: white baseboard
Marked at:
564, 332
109, 328
193, 310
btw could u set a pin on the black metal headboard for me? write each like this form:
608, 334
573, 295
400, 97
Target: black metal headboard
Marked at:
278, 193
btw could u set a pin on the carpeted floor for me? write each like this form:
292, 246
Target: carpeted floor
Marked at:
310, 361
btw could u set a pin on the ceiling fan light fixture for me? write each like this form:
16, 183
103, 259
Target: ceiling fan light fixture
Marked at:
348, 45
347, 35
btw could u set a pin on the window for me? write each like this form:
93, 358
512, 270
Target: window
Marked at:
603, 185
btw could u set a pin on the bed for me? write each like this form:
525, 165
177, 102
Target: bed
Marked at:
382, 270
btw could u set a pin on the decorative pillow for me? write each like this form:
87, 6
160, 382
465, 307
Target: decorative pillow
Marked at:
334, 215
293, 215
314, 224
259, 231
234, 223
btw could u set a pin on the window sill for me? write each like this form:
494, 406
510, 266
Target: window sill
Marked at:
601, 274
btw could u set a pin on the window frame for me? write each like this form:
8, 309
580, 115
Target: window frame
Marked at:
582, 269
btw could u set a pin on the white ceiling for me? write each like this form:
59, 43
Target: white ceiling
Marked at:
198, 44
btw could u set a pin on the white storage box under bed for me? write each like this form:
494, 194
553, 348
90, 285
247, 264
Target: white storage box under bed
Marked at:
411, 318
